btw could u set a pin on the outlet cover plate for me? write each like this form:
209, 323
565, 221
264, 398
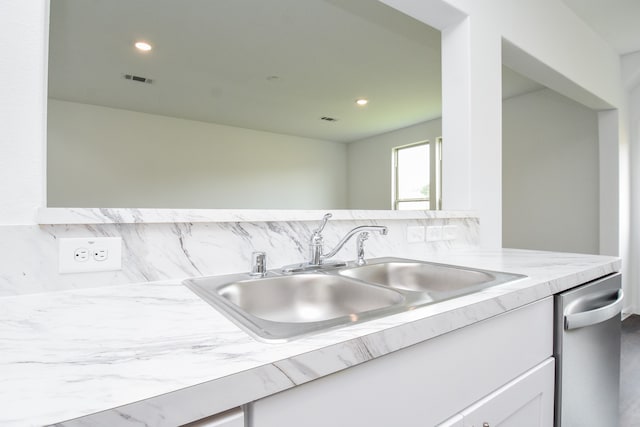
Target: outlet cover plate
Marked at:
434, 233
415, 233
449, 232
104, 254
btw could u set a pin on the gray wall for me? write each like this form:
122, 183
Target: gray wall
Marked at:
550, 174
105, 157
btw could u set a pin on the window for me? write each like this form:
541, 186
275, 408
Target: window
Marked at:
417, 176
411, 177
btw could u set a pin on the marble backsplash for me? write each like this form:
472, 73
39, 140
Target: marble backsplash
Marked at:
176, 250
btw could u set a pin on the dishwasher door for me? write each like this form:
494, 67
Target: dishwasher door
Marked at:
587, 351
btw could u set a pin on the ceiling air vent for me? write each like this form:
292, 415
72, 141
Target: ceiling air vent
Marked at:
138, 78
328, 119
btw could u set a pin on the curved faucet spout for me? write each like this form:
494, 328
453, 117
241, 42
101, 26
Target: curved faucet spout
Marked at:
379, 228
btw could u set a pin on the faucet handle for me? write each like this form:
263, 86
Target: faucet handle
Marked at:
360, 248
258, 264
325, 219
316, 244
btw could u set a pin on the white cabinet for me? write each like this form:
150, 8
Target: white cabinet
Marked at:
526, 401
427, 383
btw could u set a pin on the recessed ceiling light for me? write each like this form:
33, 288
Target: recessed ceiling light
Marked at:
362, 102
143, 46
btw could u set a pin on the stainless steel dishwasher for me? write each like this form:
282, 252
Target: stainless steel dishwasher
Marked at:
587, 351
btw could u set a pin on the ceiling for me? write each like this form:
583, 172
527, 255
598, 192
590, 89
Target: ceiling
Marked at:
277, 66
616, 21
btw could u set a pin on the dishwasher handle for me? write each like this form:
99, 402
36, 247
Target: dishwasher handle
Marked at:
592, 317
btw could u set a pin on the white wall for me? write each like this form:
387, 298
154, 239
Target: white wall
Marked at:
472, 57
23, 29
550, 174
631, 77
105, 157
370, 167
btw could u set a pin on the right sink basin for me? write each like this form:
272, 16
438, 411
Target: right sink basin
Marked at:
436, 281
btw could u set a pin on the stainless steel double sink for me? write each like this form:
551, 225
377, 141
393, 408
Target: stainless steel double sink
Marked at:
280, 307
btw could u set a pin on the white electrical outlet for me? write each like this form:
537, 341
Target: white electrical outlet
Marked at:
80, 254
100, 254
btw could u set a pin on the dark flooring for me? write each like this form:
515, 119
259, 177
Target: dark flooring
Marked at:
630, 373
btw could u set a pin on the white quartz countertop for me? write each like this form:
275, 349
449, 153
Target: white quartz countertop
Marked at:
156, 354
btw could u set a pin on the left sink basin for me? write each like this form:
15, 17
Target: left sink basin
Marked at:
282, 307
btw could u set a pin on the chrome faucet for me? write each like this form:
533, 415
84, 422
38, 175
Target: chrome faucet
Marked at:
316, 246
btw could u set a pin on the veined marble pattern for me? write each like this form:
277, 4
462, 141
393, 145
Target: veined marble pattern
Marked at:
162, 251
155, 354
129, 215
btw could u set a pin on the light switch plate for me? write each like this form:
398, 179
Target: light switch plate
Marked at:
449, 232
434, 233
415, 233
87, 254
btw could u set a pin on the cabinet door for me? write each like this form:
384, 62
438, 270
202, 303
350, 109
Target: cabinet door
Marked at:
526, 401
